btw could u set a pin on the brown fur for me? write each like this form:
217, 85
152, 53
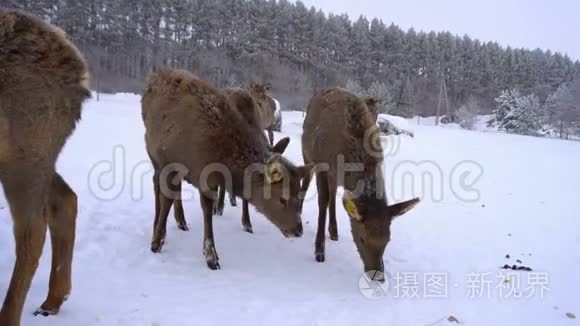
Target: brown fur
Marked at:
43, 82
266, 107
374, 105
339, 123
244, 103
191, 123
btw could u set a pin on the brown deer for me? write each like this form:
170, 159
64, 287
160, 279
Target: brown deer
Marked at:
374, 105
267, 107
43, 82
194, 134
340, 128
244, 103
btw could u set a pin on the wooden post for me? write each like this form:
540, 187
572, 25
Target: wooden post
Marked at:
439, 103
442, 94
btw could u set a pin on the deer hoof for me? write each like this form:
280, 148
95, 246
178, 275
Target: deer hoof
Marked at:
45, 312
211, 256
248, 228
183, 227
213, 265
333, 233
320, 257
156, 246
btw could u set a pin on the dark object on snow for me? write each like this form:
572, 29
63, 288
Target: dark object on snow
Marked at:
507, 256
388, 128
448, 119
518, 268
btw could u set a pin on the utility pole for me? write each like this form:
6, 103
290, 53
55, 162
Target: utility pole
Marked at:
442, 95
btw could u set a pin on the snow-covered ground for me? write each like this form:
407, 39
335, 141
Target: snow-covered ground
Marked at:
490, 195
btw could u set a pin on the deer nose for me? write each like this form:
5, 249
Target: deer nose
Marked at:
299, 230
379, 277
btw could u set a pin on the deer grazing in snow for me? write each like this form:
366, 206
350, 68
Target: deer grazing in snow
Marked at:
43, 83
340, 128
246, 105
192, 129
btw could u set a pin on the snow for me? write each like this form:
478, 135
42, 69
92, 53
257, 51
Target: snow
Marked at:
479, 125
523, 207
398, 122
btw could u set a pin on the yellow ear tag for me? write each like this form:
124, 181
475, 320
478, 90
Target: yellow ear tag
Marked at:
351, 209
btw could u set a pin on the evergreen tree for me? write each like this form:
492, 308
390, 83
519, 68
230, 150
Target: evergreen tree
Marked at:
507, 102
526, 118
299, 50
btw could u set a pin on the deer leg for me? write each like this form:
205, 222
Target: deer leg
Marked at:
304, 189
332, 225
233, 201
156, 194
163, 206
209, 251
26, 197
218, 208
62, 214
323, 198
246, 223
178, 212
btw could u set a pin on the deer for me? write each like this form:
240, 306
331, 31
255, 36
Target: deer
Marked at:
43, 83
261, 116
242, 101
192, 133
373, 104
339, 129
266, 106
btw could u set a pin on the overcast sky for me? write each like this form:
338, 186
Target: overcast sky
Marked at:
547, 24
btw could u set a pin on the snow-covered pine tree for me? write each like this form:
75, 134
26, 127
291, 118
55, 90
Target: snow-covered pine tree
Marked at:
526, 118
564, 113
354, 87
506, 103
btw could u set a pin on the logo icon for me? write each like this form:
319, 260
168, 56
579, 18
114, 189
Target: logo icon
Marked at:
371, 289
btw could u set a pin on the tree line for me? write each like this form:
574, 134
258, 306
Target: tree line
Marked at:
299, 50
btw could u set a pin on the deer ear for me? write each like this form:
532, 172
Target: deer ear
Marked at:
350, 206
373, 102
274, 170
402, 208
281, 146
